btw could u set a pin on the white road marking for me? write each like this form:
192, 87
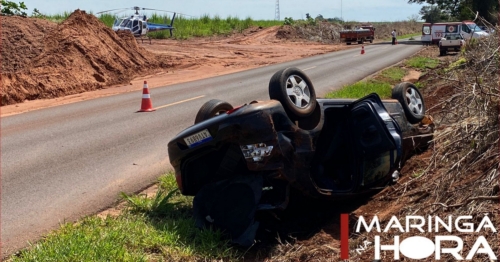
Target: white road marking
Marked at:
176, 103
308, 68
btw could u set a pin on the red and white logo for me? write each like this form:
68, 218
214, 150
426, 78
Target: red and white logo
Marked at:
427, 248
451, 28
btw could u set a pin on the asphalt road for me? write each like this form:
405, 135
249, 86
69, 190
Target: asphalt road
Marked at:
60, 163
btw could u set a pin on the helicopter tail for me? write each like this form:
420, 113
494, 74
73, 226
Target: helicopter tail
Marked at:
172, 24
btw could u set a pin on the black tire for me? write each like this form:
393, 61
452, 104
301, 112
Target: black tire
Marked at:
371, 41
212, 108
348, 43
412, 101
295, 91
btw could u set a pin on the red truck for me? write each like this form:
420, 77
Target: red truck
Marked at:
360, 35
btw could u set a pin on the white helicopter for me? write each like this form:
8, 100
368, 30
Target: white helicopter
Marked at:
138, 24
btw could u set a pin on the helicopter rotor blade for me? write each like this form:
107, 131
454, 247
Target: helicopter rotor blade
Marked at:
136, 8
144, 8
126, 8
185, 15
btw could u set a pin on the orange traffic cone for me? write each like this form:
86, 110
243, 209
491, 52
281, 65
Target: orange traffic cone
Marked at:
147, 105
362, 50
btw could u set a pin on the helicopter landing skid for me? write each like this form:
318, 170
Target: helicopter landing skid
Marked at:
144, 38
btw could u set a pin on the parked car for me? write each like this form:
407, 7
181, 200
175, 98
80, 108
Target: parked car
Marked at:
451, 42
489, 30
237, 161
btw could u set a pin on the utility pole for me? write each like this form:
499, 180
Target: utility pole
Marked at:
341, 16
277, 11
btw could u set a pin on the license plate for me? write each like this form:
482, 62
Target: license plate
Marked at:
198, 138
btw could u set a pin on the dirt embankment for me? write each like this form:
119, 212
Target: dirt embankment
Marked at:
41, 59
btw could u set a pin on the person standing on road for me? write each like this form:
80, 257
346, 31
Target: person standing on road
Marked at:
393, 37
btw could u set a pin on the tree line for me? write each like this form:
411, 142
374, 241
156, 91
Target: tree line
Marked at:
458, 10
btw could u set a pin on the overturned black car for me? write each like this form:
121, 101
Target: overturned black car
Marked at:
239, 161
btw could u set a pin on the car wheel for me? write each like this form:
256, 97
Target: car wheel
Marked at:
294, 90
212, 108
412, 101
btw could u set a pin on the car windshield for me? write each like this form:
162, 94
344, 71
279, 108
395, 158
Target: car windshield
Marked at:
125, 22
453, 37
473, 27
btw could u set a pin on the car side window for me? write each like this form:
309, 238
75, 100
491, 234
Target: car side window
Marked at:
426, 30
465, 28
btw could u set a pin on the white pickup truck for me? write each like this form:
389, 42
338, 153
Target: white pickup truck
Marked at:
451, 42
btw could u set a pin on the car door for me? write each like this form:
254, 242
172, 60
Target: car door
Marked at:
377, 140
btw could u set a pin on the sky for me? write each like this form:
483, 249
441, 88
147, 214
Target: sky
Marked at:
349, 10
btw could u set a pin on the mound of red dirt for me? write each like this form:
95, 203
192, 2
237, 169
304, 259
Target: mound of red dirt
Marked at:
42, 59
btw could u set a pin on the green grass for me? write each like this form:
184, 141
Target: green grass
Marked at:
457, 64
207, 26
107, 19
187, 27
381, 84
58, 18
418, 173
421, 62
393, 73
363, 88
160, 228
419, 85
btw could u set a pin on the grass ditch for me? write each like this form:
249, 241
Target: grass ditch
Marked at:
381, 84
421, 62
148, 228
